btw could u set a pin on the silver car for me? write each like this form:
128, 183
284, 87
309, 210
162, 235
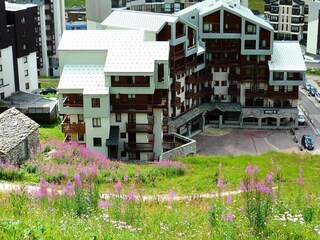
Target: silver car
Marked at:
317, 97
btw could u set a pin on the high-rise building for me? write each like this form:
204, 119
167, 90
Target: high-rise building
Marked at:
18, 26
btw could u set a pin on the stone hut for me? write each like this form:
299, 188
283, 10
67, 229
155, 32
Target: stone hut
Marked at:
18, 136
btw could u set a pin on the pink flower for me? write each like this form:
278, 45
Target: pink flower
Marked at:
117, 187
77, 180
125, 178
131, 195
223, 217
110, 179
220, 182
230, 217
172, 194
270, 177
229, 199
104, 204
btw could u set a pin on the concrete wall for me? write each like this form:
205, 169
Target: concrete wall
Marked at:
7, 72
28, 72
189, 148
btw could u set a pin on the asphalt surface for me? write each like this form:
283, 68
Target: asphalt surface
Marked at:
254, 142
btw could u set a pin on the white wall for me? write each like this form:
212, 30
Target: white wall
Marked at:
32, 76
7, 73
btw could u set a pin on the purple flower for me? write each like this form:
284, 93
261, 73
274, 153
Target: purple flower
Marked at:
220, 182
270, 177
223, 217
125, 178
104, 204
229, 199
110, 179
42, 192
242, 186
77, 180
131, 195
172, 194
230, 217
117, 187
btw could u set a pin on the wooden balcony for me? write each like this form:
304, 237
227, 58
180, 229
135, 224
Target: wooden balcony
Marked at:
195, 79
180, 70
165, 126
207, 91
283, 95
178, 54
233, 90
139, 127
129, 85
133, 107
256, 93
72, 100
234, 77
191, 94
176, 102
138, 147
73, 127
176, 86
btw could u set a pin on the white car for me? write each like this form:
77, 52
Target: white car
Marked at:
317, 97
301, 118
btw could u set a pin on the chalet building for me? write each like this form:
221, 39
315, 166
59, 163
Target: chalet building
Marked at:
124, 88
17, 48
50, 25
289, 18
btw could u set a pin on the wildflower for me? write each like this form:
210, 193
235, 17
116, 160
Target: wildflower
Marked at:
270, 177
117, 187
131, 195
125, 178
220, 182
223, 217
230, 217
229, 199
110, 179
172, 194
104, 204
43, 189
77, 180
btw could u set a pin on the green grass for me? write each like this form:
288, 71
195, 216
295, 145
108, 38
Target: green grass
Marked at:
51, 131
78, 3
257, 5
313, 72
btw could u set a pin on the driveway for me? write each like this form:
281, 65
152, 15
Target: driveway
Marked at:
252, 141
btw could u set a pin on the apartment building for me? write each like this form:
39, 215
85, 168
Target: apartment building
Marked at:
289, 18
17, 48
313, 40
98, 10
220, 65
50, 25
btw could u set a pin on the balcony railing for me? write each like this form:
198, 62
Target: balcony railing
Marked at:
176, 102
138, 147
207, 91
283, 95
234, 77
178, 54
180, 70
176, 86
73, 100
73, 127
133, 107
139, 127
194, 79
256, 93
233, 90
117, 84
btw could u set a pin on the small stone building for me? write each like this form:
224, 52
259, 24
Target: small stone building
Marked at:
18, 136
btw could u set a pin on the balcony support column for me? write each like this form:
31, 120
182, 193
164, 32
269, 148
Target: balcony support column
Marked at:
220, 121
259, 121
278, 122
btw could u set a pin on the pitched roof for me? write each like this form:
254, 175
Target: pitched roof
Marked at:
287, 56
147, 21
14, 128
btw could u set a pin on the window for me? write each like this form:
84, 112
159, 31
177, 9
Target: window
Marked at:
261, 58
80, 118
25, 60
97, 142
224, 83
123, 135
0, 68
2, 95
123, 154
1, 82
80, 137
216, 83
95, 102
24, 46
131, 97
96, 122
27, 86
118, 117
23, 20
26, 73
207, 27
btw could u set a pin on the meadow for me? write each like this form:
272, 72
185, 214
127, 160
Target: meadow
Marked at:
84, 195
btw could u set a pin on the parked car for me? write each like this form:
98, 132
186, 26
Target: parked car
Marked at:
307, 86
313, 91
301, 118
317, 96
48, 90
306, 142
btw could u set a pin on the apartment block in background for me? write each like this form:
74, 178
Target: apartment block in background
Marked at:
220, 66
50, 25
313, 41
18, 68
289, 18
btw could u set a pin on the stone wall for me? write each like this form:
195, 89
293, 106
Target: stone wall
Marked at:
23, 150
190, 148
